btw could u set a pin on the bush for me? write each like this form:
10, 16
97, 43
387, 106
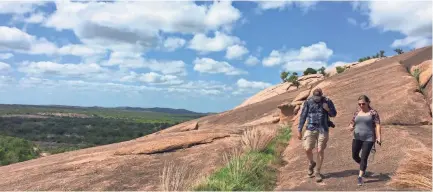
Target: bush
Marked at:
340, 69
310, 71
14, 150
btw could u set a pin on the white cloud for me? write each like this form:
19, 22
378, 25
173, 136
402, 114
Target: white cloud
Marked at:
107, 25
352, 21
281, 5
251, 61
173, 43
4, 56
243, 83
80, 85
5, 68
236, 52
13, 39
152, 78
201, 43
131, 60
412, 19
80, 50
275, 58
208, 65
314, 56
48, 68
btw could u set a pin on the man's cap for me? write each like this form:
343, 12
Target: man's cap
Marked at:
317, 94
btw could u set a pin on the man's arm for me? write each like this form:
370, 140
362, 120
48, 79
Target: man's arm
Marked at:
303, 116
330, 108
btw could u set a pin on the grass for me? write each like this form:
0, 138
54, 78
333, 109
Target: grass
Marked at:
177, 177
415, 172
416, 72
256, 169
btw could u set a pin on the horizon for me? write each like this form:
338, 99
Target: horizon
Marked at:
208, 56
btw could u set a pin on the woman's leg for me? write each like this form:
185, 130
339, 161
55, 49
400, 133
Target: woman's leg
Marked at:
356, 148
366, 148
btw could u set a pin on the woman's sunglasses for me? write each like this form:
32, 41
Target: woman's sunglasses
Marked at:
361, 104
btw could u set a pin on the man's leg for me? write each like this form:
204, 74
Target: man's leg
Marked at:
322, 143
309, 143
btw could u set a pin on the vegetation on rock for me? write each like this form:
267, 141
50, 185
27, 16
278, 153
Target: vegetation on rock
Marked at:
255, 170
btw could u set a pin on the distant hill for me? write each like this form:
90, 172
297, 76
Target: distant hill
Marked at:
160, 110
136, 109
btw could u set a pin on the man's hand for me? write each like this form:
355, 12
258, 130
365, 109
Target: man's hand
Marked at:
326, 107
299, 135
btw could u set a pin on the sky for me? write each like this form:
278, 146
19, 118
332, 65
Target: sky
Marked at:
206, 56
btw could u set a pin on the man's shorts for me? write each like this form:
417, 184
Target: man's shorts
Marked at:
310, 138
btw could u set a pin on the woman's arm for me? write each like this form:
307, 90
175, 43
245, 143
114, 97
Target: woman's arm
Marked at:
378, 133
352, 122
378, 128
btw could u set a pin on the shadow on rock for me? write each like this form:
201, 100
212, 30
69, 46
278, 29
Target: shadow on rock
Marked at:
371, 177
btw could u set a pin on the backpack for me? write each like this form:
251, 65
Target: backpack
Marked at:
324, 100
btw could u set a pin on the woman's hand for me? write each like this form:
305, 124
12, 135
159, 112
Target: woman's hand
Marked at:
379, 141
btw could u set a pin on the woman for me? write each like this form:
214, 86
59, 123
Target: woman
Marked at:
366, 126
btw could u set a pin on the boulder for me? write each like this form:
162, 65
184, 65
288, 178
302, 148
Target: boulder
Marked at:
426, 73
187, 126
268, 93
302, 96
285, 113
296, 109
170, 142
294, 103
310, 76
422, 66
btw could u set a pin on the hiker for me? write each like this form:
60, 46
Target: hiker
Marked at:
317, 109
366, 126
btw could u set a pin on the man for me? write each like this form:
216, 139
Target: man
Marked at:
317, 109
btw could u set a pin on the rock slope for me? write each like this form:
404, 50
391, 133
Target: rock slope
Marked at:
199, 144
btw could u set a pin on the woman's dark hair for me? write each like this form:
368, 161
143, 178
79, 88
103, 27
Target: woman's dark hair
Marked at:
364, 98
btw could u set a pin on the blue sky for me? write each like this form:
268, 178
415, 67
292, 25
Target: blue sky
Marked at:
202, 56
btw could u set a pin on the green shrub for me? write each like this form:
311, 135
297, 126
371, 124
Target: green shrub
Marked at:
14, 150
310, 71
340, 69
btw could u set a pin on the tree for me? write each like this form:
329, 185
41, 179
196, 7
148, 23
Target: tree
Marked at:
399, 51
296, 83
292, 78
310, 71
283, 76
382, 53
295, 74
322, 71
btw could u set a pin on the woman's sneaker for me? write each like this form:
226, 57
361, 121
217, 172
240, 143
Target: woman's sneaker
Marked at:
360, 182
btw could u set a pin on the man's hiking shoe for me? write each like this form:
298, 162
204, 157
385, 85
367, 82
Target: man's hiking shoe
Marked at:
360, 182
319, 177
311, 169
